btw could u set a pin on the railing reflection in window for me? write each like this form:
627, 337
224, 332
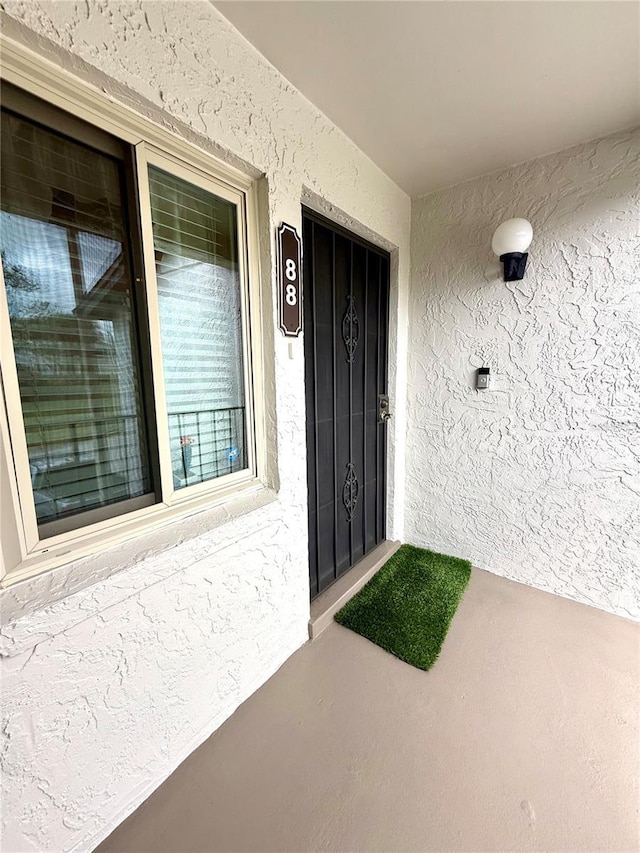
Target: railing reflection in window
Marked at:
83, 465
87, 465
206, 444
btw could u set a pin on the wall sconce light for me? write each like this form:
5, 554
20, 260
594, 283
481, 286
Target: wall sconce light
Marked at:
510, 243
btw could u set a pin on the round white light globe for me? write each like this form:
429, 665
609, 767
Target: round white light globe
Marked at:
514, 235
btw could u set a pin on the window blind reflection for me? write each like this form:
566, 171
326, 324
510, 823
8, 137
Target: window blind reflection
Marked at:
195, 240
68, 288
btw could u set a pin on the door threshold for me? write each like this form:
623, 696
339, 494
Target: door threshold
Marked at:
327, 604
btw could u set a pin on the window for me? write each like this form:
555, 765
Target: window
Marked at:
199, 301
68, 282
129, 390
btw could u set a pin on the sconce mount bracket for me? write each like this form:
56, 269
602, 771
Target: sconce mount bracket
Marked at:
514, 264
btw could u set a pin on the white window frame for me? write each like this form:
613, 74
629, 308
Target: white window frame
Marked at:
24, 553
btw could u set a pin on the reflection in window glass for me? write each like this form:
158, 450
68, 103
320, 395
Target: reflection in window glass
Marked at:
195, 240
68, 289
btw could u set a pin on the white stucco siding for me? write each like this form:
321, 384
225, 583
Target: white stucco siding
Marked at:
107, 686
538, 478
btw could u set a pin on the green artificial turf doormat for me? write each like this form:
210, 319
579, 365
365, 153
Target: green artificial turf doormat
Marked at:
407, 607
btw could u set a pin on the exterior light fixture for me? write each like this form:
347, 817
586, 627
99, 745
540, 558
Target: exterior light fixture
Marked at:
510, 243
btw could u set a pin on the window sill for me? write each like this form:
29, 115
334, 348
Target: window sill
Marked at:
30, 590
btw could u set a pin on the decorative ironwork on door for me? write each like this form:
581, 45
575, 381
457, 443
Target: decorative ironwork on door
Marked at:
350, 491
350, 328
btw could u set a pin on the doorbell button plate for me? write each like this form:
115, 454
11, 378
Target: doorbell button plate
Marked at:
483, 377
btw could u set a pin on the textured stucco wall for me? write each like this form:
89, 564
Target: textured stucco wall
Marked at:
537, 479
108, 686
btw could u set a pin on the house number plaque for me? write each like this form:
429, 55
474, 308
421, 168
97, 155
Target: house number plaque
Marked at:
289, 281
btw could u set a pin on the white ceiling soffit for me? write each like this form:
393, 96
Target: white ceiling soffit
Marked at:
441, 92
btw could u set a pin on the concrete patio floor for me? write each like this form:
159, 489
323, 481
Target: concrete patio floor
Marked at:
524, 736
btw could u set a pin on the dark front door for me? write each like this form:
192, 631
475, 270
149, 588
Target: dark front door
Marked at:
346, 307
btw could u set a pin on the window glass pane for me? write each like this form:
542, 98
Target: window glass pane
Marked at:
68, 287
195, 239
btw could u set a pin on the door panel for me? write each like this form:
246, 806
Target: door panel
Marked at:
346, 308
